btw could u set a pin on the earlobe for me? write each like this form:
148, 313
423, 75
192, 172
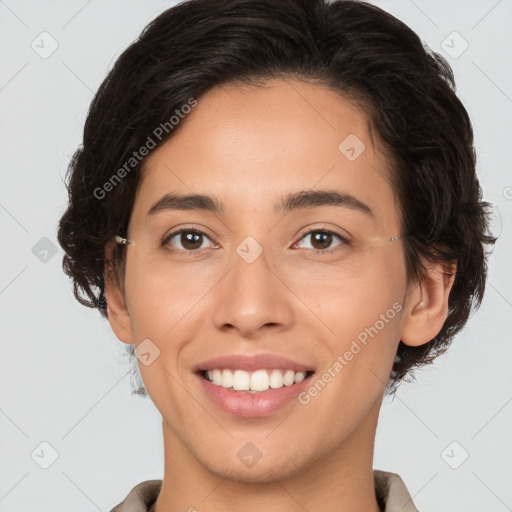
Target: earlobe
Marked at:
427, 307
118, 315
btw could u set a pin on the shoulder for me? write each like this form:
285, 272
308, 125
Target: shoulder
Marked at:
392, 492
140, 498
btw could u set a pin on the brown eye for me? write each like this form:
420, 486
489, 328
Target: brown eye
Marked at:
321, 240
190, 240
187, 240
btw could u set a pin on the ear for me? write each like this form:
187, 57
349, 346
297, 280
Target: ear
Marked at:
427, 304
118, 315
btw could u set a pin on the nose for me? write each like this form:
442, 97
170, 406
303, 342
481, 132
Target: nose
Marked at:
251, 298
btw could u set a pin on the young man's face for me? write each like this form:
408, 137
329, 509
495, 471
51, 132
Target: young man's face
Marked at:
254, 284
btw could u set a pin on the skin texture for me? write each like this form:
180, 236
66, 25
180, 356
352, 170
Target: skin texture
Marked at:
249, 146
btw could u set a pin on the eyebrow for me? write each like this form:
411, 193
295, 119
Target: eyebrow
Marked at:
293, 201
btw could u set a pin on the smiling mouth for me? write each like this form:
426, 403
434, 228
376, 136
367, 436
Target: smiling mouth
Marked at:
257, 381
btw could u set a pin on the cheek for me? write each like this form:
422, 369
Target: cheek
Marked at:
351, 295
345, 298
362, 314
160, 296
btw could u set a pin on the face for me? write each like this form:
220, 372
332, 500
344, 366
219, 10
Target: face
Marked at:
318, 284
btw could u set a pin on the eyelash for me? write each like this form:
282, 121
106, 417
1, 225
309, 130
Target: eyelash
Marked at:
344, 241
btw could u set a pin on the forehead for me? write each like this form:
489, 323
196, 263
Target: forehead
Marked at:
251, 145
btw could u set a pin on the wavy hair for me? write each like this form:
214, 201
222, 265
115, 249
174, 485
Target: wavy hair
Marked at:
367, 55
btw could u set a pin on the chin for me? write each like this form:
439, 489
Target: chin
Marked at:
260, 473
264, 471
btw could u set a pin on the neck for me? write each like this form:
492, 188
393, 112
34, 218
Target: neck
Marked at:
338, 481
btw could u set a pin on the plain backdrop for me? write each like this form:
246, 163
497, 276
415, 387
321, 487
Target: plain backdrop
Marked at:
72, 436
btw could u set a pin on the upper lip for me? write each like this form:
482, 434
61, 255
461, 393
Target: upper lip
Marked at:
252, 363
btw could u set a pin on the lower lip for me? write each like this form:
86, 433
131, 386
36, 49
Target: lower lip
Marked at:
252, 405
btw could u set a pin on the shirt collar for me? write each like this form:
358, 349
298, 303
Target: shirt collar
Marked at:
390, 490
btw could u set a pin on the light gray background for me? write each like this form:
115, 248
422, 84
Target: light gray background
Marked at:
64, 377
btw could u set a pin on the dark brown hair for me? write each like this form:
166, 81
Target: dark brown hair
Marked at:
355, 48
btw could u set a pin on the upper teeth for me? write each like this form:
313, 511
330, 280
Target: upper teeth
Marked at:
260, 380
